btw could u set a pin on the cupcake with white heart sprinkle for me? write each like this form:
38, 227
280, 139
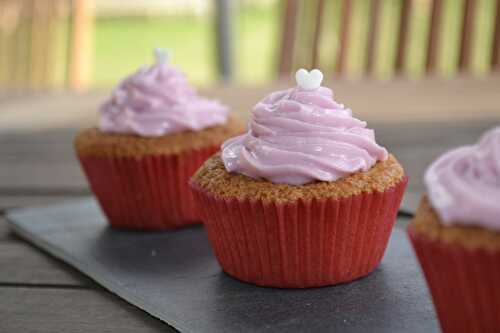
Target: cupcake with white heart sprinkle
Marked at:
305, 198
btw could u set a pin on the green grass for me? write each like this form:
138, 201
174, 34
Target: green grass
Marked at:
123, 44
256, 43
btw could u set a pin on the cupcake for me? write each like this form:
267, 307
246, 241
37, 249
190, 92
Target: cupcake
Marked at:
456, 236
154, 133
305, 198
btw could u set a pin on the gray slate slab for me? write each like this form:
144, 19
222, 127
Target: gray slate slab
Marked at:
173, 276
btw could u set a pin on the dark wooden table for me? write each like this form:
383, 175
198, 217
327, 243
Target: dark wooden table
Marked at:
416, 121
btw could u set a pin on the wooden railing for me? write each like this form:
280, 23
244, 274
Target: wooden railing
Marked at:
44, 44
320, 33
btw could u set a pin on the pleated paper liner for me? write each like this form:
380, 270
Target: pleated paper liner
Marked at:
464, 284
148, 192
300, 244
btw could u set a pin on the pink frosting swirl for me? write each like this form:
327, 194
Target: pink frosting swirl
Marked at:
297, 136
157, 100
464, 184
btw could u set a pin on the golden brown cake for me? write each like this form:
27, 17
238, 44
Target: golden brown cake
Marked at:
214, 178
94, 142
426, 223
141, 182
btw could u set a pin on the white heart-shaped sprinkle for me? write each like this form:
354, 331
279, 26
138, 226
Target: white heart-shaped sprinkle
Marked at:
161, 55
309, 80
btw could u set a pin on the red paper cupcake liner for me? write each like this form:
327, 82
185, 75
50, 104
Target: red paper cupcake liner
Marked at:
301, 244
463, 284
148, 192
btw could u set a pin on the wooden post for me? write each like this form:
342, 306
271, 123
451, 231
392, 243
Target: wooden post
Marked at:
466, 38
433, 43
59, 55
10, 12
20, 79
224, 35
372, 37
50, 61
344, 36
403, 35
38, 47
81, 44
288, 27
495, 51
4, 60
18, 48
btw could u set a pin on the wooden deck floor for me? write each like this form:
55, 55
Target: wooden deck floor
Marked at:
417, 121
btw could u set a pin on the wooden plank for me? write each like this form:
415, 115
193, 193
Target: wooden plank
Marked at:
66, 310
3, 46
434, 35
50, 58
402, 43
22, 48
495, 49
418, 135
344, 37
70, 16
424, 100
62, 41
81, 44
61, 139
372, 37
29, 113
12, 12
9, 200
466, 41
24, 264
288, 35
39, 38
415, 160
318, 24
4, 42
28, 167
42, 175
5, 233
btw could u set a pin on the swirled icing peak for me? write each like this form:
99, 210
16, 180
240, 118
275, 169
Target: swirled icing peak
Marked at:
157, 100
301, 135
464, 183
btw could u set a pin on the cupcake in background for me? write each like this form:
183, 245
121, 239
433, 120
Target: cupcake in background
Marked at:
154, 133
456, 236
305, 198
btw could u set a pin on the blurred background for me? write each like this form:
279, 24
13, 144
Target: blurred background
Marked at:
91, 44
424, 74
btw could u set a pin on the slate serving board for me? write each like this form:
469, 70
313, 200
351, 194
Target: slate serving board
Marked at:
173, 276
